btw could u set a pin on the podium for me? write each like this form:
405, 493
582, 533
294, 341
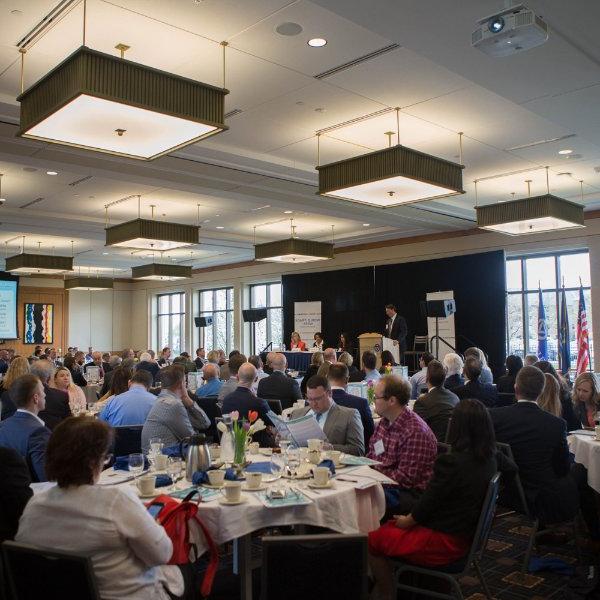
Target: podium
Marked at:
377, 343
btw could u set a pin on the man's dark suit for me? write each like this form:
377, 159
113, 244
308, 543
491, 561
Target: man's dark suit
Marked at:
398, 331
278, 386
485, 392
57, 407
343, 398
436, 408
78, 378
14, 491
539, 445
243, 400
24, 433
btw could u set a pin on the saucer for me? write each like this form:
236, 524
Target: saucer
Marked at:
328, 485
232, 503
210, 486
156, 492
261, 488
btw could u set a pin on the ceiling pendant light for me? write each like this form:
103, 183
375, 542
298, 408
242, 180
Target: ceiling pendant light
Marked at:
534, 214
145, 234
391, 177
293, 249
40, 264
161, 272
100, 102
89, 283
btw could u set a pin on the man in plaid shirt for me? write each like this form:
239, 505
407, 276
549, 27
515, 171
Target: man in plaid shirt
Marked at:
403, 443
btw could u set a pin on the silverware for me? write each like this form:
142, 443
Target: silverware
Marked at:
345, 479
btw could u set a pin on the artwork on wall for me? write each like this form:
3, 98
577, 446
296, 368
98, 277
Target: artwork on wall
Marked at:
38, 323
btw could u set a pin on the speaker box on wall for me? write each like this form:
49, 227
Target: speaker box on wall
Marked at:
203, 321
253, 315
440, 308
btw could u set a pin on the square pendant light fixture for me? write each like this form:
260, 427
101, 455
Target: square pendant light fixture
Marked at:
391, 177
89, 283
531, 215
145, 234
100, 102
39, 264
293, 250
161, 272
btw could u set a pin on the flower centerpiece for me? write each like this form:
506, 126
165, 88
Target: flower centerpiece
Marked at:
388, 369
371, 391
242, 431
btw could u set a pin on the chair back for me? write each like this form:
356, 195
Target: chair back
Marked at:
443, 448
505, 399
209, 404
35, 573
335, 563
275, 406
128, 440
507, 451
421, 343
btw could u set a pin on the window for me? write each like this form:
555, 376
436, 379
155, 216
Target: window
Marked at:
217, 304
171, 321
267, 295
525, 275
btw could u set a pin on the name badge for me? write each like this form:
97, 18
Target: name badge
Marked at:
378, 447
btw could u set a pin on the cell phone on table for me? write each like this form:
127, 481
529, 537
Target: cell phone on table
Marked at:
154, 509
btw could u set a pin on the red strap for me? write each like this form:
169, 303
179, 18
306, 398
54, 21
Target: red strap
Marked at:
213, 562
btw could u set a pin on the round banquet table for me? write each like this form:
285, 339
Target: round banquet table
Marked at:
587, 452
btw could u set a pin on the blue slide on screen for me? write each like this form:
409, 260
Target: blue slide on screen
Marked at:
8, 309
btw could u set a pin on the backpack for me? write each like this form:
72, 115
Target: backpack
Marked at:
175, 518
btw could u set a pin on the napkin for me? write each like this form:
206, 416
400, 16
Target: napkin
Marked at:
163, 481
550, 564
122, 463
329, 464
200, 477
259, 467
175, 451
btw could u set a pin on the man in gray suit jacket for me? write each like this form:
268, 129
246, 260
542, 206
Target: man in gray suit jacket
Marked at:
342, 426
437, 405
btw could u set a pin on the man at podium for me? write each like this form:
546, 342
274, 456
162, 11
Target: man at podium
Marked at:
395, 328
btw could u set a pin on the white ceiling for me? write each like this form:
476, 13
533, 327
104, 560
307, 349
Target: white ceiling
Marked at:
248, 177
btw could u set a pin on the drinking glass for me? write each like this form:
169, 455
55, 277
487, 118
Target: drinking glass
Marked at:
293, 461
174, 466
136, 464
156, 445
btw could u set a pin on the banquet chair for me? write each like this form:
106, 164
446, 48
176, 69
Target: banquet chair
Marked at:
331, 565
128, 440
35, 573
453, 572
209, 404
420, 345
275, 406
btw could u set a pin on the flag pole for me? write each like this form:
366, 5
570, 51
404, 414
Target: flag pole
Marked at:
588, 344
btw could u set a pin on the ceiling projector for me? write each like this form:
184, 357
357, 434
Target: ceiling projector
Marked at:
513, 30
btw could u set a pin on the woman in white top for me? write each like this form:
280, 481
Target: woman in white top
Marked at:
319, 342
486, 373
128, 549
63, 381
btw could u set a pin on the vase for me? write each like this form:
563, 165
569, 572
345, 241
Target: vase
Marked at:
227, 449
239, 450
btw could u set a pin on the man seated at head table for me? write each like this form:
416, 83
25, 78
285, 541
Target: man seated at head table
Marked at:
278, 386
342, 426
403, 443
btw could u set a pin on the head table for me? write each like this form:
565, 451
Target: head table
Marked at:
586, 449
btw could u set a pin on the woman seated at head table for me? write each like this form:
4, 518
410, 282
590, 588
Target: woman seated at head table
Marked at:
441, 525
296, 343
344, 343
63, 381
319, 342
586, 399
128, 548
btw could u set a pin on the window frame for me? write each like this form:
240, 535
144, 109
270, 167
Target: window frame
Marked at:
170, 314
229, 316
268, 306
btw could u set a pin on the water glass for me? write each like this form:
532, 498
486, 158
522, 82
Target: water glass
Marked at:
293, 460
156, 445
174, 467
136, 464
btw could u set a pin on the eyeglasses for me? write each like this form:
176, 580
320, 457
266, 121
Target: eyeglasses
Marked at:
381, 397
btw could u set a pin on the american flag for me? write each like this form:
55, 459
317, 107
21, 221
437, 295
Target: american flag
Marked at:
583, 342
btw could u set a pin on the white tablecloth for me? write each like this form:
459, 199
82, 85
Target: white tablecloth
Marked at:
587, 452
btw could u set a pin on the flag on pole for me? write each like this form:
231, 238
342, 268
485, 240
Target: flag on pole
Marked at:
542, 349
564, 341
583, 341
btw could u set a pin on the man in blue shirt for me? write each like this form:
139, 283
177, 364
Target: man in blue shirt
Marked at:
131, 407
212, 383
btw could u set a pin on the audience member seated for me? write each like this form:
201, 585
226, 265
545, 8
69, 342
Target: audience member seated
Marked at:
4, 362
338, 380
530, 360
278, 386
243, 400
566, 402
128, 549
437, 405
345, 343
148, 364
62, 381
213, 357
549, 399
57, 401
235, 362
453, 363
14, 491
329, 357
586, 399
439, 529
315, 364
119, 384
174, 415
133, 406
106, 362
75, 370
95, 362
260, 373
25, 432
369, 363
18, 366
354, 375
418, 381
473, 388
403, 443
105, 390
296, 343
164, 359
539, 445
186, 362
200, 359
506, 383
341, 425
224, 364
387, 360
212, 383
319, 342
486, 373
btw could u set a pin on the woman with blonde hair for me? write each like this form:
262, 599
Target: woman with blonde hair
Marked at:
63, 381
586, 399
486, 373
454, 365
549, 399
19, 366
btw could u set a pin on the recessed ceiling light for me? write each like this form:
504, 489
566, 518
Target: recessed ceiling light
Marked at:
317, 42
288, 212
105, 253
366, 224
565, 151
220, 227
29, 169
51, 173
288, 29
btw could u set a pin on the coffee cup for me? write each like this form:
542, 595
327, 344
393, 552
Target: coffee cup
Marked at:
321, 475
216, 477
232, 491
315, 444
253, 447
335, 456
314, 456
253, 480
160, 461
146, 484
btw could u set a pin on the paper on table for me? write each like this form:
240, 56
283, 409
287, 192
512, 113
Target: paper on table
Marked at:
110, 477
298, 430
349, 459
583, 432
367, 477
292, 498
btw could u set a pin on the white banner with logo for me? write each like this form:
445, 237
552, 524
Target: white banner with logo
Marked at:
307, 320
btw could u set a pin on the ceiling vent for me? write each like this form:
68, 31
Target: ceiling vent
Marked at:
28, 204
233, 113
357, 61
82, 180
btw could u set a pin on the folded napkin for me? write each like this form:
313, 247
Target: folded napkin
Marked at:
259, 467
122, 463
200, 477
163, 481
550, 564
175, 451
329, 464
